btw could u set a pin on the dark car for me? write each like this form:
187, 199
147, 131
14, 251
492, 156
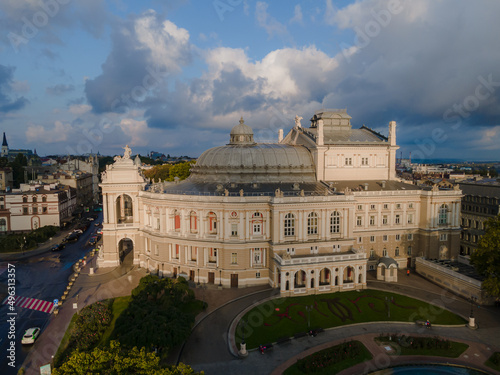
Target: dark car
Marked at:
73, 237
57, 247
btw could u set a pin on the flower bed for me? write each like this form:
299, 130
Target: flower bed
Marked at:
416, 345
331, 360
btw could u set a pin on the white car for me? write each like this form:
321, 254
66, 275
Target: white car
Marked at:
30, 335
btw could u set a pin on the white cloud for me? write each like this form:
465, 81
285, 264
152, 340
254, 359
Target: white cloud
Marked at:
79, 109
272, 26
297, 15
40, 134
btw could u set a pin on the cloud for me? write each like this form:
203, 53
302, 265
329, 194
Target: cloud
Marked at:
146, 50
79, 109
59, 89
272, 26
41, 134
7, 87
297, 15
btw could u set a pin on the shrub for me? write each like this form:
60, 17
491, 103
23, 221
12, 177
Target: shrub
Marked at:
91, 324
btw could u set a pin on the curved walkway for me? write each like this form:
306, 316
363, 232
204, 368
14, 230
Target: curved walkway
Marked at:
483, 342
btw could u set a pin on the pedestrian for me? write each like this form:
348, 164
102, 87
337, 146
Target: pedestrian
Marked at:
408, 272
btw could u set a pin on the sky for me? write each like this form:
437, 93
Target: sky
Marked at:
81, 76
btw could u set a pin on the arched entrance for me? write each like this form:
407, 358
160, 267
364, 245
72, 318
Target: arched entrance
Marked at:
126, 251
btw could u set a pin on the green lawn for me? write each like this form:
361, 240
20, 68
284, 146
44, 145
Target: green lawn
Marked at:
285, 317
494, 361
119, 305
315, 363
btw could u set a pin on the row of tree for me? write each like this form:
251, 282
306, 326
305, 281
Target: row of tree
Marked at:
167, 172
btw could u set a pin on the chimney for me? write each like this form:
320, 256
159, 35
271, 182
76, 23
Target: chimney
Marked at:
392, 133
366, 186
280, 135
383, 184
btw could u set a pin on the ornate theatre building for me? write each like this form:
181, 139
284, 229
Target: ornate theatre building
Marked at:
309, 214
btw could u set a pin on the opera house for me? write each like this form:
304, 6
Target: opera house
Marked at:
309, 214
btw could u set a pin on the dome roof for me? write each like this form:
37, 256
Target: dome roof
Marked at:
241, 134
242, 129
264, 163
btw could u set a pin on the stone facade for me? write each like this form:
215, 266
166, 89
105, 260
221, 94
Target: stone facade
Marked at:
297, 232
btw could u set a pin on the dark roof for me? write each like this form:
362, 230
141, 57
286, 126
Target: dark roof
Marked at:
4, 143
461, 268
189, 187
491, 190
387, 261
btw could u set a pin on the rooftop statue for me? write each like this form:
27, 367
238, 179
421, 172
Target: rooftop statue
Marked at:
297, 121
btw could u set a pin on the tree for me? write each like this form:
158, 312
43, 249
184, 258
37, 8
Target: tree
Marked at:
114, 360
158, 315
486, 259
181, 170
161, 172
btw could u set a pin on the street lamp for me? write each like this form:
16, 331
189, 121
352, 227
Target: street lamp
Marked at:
387, 300
220, 277
243, 330
309, 309
198, 276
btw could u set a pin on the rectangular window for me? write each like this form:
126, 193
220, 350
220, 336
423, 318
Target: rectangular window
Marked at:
386, 206
359, 221
398, 219
234, 229
348, 161
384, 252
194, 252
290, 250
410, 218
398, 237
35, 209
157, 223
372, 238
364, 161
234, 258
372, 254
372, 220
409, 250
385, 237
257, 228
314, 249
360, 207
257, 256
156, 250
257, 275
396, 252
443, 237
177, 251
372, 207
25, 210
44, 210
360, 239
410, 205
398, 206
384, 219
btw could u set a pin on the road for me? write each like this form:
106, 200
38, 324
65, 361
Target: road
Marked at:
43, 277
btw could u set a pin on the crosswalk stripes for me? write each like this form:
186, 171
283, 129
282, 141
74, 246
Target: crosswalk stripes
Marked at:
33, 304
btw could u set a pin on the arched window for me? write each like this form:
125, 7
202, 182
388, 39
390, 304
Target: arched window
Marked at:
34, 198
335, 222
44, 198
443, 214
193, 222
312, 223
212, 223
257, 223
3, 225
124, 209
289, 225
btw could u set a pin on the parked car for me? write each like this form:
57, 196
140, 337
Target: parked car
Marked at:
90, 219
57, 247
30, 335
79, 231
72, 237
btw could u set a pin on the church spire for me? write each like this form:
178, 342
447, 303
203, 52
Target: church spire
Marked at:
4, 143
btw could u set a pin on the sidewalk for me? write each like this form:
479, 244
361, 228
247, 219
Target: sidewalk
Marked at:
86, 290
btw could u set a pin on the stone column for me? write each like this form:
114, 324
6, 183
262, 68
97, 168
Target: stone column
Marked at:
283, 281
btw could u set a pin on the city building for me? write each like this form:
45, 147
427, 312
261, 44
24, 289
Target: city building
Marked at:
481, 201
6, 179
36, 205
82, 182
89, 165
310, 214
11, 154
